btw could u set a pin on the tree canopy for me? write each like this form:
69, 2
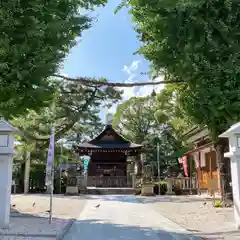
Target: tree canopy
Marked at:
35, 38
75, 117
197, 43
154, 121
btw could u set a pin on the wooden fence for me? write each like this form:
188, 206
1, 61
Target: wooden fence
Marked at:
109, 182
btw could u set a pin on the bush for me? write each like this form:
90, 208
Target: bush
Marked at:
163, 188
137, 191
177, 190
218, 204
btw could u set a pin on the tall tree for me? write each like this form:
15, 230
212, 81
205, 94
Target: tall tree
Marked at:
35, 37
141, 121
135, 118
76, 111
196, 42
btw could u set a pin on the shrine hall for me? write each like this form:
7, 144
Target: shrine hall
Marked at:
108, 165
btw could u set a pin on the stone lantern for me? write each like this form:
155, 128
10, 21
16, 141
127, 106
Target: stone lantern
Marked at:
7, 132
233, 134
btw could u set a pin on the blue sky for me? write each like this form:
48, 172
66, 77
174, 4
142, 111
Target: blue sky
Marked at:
107, 50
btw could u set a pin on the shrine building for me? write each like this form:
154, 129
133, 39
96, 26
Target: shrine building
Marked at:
108, 165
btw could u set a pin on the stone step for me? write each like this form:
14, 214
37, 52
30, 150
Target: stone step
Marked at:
110, 191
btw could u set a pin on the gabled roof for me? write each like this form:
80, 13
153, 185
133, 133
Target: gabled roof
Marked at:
109, 145
109, 139
6, 126
109, 131
233, 130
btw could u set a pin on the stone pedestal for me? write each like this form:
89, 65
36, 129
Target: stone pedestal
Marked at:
233, 134
147, 190
6, 156
72, 190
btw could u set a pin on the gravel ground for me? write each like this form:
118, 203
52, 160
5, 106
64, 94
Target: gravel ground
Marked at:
24, 224
64, 207
197, 215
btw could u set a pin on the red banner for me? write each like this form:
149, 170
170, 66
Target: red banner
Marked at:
185, 167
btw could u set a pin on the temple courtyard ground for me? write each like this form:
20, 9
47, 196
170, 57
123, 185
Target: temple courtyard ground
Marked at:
118, 218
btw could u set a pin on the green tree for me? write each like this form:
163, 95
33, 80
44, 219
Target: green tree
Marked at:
196, 42
141, 121
35, 38
76, 111
76, 116
134, 118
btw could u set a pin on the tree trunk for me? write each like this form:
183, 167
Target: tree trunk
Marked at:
226, 190
27, 171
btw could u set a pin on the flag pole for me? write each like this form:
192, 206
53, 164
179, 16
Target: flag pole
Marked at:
49, 180
159, 174
51, 196
158, 162
52, 170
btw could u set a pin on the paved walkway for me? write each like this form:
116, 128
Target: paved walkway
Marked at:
123, 218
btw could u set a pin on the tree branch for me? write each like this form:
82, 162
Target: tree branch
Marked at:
75, 119
90, 82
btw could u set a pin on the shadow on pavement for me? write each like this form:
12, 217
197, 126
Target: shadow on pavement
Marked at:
173, 199
95, 229
144, 200
135, 199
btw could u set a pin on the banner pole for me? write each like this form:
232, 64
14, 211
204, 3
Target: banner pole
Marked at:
51, 197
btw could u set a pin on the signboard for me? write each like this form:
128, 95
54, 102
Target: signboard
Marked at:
86, 161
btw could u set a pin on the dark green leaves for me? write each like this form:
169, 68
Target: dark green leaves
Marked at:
196, 42
35, 37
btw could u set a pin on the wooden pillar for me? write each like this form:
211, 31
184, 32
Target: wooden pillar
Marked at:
198, 178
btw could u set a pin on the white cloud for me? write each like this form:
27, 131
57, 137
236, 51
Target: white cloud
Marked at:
146, 90
132, 71
64, 75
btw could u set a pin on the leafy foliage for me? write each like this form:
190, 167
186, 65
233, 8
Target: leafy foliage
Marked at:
35, 38
141, 121
75, 117
135, 118
195, 42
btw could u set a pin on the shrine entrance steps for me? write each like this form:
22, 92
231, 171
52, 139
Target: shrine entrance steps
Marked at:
109, 191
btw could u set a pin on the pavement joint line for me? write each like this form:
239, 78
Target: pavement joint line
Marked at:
29, 235
70, 224
180, 229
65, 230
28, 215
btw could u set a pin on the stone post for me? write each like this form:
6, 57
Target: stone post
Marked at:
169, 186
133, 180
6, 160
233, 134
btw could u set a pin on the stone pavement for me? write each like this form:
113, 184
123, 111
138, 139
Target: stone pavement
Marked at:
123, 218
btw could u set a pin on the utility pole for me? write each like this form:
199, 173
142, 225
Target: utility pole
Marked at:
60, 172
158, 162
